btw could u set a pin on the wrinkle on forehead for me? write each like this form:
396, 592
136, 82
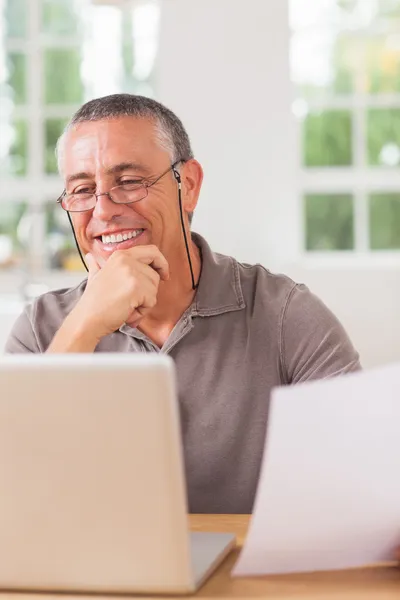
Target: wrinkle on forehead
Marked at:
98, 145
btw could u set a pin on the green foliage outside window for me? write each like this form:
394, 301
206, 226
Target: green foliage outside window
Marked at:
18, 156
59, 17
11, 214
384, 221
383, 130
327, 139
53, 130
63, 84
329, 222
16, 67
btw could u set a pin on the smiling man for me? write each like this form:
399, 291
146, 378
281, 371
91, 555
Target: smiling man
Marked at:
234, 331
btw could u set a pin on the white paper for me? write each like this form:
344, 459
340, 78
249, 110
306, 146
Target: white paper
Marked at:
329, 491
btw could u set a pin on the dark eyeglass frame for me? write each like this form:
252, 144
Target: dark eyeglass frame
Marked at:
146, 185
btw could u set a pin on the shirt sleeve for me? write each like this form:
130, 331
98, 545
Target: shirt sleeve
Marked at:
313, 344
22, 338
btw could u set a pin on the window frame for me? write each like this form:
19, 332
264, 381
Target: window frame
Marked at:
38, 188
358, 179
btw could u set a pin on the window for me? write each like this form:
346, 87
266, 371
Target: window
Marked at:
55, 55
345, 64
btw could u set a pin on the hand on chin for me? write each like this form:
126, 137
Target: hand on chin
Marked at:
134, 319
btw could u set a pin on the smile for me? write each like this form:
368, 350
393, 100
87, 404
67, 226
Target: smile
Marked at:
121, 237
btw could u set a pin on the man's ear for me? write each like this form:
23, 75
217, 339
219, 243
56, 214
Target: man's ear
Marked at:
192, 178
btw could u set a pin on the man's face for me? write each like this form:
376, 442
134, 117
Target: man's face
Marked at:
99, 155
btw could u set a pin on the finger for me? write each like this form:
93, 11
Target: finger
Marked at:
143, 275
151, 274
148, 296
135, 323
397, 554
151, 255
134, 319
92, 265
160, 264
136, 316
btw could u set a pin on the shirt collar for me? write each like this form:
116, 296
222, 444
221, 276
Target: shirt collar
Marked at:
219, 288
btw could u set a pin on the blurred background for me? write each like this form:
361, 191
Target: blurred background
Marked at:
293, 108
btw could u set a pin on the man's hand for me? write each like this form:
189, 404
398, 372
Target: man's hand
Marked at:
123, 291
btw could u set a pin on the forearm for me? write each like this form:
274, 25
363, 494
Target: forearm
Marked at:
74, 336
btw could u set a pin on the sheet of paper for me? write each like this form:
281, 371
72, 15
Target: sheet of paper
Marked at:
329, 490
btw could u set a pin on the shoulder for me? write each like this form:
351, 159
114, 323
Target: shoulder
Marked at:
49, 310
281, 293
312, 342
260, 284
58, 301
37, 324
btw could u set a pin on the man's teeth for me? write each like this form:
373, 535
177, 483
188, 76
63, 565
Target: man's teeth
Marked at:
120, 237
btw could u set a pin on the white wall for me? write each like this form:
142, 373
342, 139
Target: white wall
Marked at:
223, 68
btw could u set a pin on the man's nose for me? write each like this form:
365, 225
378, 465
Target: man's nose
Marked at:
105, 208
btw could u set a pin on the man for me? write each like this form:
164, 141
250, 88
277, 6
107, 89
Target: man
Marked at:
235, 331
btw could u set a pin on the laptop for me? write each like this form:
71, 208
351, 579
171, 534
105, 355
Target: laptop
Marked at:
92, 485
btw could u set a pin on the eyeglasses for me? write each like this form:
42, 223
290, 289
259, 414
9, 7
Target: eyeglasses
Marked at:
125, 193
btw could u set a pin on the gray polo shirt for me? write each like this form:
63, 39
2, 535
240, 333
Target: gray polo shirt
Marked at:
247, 331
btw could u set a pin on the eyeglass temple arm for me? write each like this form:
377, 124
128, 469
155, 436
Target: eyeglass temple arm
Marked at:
179, 181
76, 241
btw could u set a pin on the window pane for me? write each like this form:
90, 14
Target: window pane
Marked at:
60, 245
384, 137
14, 148
345, 57
383, 64
53, 130
389, 8
329, 222
323, 63
59, 17
341, 14
16, 18
327, 139
11, 233
16, 68
19, 150
384, 211
62, 76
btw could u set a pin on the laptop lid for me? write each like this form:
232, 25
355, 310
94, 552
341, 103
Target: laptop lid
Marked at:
92, 490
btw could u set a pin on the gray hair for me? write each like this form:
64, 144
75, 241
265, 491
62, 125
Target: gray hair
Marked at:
170, 131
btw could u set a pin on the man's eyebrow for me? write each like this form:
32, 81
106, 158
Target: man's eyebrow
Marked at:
76, 176
125, 166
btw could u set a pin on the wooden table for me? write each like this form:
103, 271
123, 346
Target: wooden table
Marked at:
363, 584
